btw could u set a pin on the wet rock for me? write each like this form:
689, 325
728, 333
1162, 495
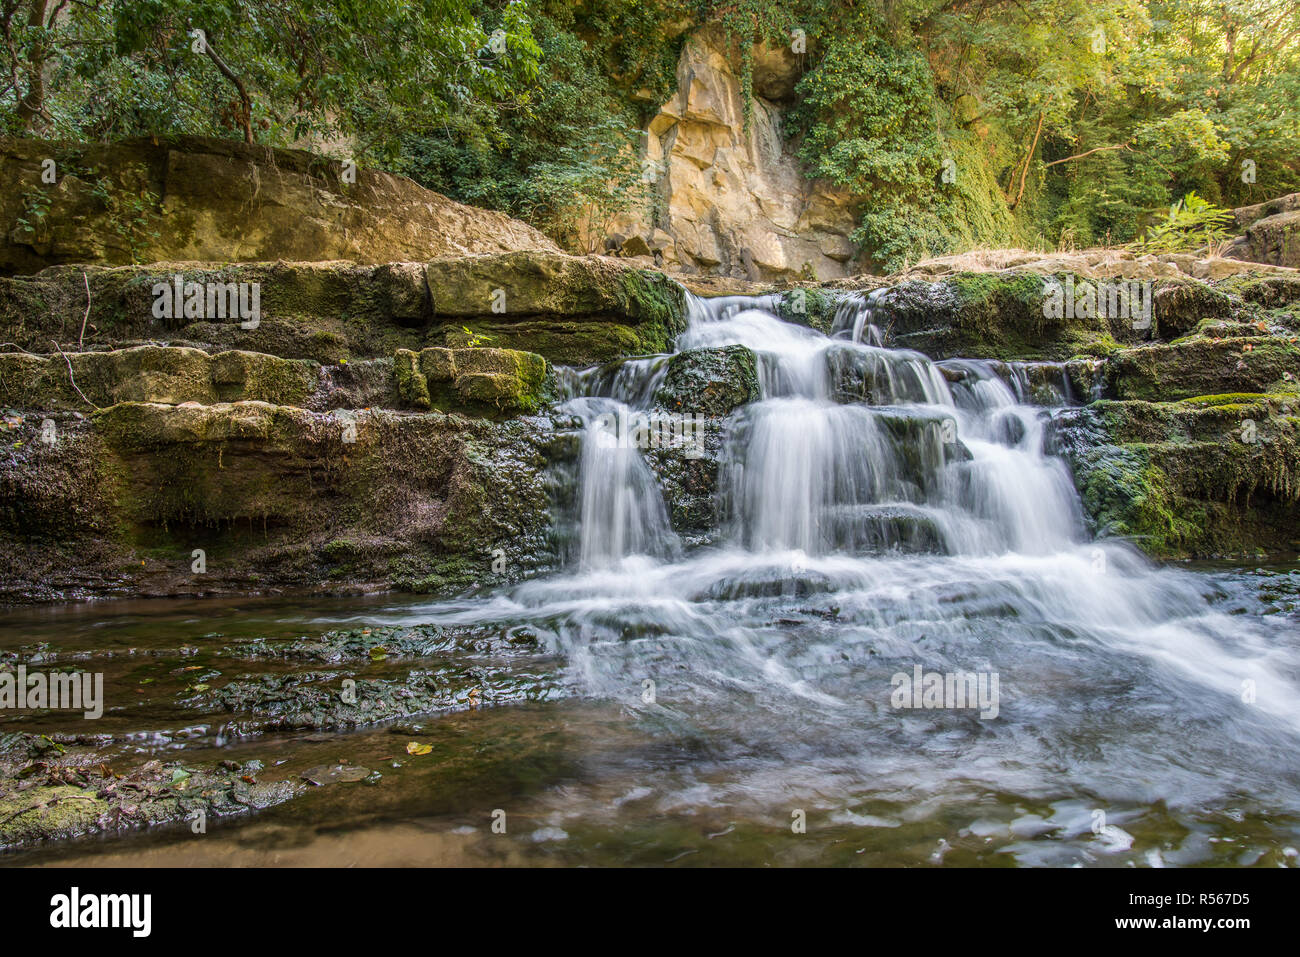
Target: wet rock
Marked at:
1165, 372
321, 701
381, 643
276, 497
52, 792
1212, 475
710, 382
334, 774
984, 315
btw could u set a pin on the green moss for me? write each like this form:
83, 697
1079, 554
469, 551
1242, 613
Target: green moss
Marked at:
711, 382
410, 381
560, 342
1227, 399
819, 309
473, 381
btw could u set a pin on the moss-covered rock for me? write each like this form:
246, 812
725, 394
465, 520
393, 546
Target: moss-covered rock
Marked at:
814, 308
1202, 366
51, 791
490, 382
1001, 315
278, 497
152, 374
710, 382
1210, 476
556, 305
1179, 304
987, 315
205, 198
568, 309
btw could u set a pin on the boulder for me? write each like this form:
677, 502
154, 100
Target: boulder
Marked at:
1274, 239
711, 381
478, 381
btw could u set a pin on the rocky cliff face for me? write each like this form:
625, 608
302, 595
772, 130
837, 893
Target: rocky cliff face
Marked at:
730, 200
1270, 232
210, 200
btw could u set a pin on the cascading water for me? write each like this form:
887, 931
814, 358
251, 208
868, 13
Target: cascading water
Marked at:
882, 514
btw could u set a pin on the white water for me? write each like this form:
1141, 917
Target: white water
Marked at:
804, 477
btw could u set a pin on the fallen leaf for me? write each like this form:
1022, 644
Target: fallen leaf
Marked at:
415, 747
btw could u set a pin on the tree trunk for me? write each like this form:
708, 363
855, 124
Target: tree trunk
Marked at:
32, 103
1029, 158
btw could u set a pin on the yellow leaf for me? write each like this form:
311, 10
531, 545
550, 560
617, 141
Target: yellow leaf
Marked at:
415, 747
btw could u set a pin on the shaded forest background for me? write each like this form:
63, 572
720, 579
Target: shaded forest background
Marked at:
956, 123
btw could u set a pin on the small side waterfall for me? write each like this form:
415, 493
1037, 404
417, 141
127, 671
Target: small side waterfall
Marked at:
621, 510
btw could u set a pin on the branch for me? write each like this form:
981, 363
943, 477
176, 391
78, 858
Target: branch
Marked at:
1024, 170
230, 75
73, 378
1099, 149
81, 338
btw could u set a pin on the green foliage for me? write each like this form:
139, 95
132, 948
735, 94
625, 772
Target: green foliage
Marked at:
569, 162
35, 208
130, 213
273, 71
1193, 224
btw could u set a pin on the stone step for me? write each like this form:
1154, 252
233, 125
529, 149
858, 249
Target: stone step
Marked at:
569, 309
275, 497
480, 382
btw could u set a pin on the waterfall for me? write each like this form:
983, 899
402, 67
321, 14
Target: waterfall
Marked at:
853, 447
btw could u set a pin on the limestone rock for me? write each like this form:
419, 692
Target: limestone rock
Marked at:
735, 202
568, 309
216, 200
278, 496
169, 375
1273, 239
